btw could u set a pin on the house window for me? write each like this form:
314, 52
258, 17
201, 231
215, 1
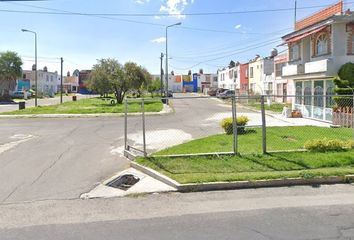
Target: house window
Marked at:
298, 93
47, 78
251, 72
318, 98
231, 73
295, 52
279, 89
279, 69
322, 44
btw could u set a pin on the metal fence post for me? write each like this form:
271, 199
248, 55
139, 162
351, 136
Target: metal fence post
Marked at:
126, 124
353, 116
234, 124
143, 118
264, 129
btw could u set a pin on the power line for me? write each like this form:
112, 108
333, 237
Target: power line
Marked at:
229, 55
226, 52
168, 14
148, 23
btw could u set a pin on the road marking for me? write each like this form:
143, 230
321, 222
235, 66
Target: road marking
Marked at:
22, 138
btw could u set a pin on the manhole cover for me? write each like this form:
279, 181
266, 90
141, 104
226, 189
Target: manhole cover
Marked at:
124, 182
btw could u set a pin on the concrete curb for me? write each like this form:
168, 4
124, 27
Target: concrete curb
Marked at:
165, 111
240, 184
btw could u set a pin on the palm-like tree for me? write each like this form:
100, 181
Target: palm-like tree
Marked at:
10, 70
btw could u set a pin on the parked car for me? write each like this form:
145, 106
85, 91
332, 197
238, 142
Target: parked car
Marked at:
226, 94
215, 91
169, 94
20, 94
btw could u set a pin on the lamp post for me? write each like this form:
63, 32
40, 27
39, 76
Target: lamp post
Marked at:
36, 67
166, 73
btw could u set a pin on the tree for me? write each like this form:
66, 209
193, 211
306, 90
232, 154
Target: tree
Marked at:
345, 85
109, 76
154, 86
10, 70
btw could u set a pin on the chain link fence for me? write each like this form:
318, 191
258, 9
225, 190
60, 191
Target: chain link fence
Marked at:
201, 125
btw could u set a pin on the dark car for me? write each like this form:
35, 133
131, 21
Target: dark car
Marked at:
226, 94
215, 91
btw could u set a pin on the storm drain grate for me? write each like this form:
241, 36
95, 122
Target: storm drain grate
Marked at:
124, 182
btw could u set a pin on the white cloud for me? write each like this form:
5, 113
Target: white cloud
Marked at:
141, 1
159, 40
238, 26
157, 17
175, 7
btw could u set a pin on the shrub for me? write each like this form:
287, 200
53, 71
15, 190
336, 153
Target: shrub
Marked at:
325, 145
241, 121
350, 144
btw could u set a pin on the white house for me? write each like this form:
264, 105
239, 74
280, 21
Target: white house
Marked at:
229, 78
318, 47
46, 81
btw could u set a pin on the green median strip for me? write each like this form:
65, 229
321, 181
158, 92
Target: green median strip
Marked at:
89, 106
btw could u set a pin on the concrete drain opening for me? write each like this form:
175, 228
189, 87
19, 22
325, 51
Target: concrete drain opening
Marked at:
124, 182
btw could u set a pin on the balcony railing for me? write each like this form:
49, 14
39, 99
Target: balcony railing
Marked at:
317, 66
293, 69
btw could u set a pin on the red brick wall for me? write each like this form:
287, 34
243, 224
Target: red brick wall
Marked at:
350, 31
244, 78
314, 37
321, 15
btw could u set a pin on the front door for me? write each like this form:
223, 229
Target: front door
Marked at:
285, 92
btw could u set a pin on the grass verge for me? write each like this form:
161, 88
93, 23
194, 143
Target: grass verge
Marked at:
274, 107
278, 139
201, 169
89, 106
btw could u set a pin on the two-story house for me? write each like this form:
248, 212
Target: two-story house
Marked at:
261, 75
229, 78
47, 82
319, 46
282, 85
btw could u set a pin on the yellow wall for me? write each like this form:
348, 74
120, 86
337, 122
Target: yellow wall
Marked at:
257, 76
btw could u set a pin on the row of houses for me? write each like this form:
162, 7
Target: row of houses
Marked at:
314, 52
317, 48
49, 83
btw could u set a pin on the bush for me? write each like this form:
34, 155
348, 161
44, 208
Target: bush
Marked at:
241, 121
325, 145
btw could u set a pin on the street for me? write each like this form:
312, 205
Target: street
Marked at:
319, 212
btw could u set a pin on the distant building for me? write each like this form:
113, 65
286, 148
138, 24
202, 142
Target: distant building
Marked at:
229, 77
47, 82
84, 76
71, 83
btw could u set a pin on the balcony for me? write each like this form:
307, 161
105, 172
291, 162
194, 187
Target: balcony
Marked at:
293, 69
318, 66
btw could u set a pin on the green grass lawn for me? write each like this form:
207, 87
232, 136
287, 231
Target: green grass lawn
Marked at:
251, 165
90, 105
274, 107
278, 139
198, 169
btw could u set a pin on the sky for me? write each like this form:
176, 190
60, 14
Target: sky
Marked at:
201, 41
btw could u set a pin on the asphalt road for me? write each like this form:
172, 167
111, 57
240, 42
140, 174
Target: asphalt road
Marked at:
324, 212
62, 158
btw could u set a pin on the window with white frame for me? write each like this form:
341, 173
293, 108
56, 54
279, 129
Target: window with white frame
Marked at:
322, 44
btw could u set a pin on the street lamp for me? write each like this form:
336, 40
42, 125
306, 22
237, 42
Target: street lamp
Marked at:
166, 73
35, 64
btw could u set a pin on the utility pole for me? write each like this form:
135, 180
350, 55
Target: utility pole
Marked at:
161, 74
61, 80
295, 14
